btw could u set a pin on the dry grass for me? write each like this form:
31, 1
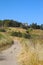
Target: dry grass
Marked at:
37, 31
29, 52
15, 29
5, 41
28, 58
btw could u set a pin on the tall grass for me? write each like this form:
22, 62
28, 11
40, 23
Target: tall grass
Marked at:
30, 53
5, 40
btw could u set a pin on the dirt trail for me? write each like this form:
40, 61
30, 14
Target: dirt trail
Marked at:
9, 56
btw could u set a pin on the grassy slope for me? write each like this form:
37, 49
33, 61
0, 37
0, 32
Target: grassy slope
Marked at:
36, 35
5, 41
27, 56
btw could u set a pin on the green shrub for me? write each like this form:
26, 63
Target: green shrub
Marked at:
9, 29
29, 30
14, 33
2, 30
19, 34
25, 35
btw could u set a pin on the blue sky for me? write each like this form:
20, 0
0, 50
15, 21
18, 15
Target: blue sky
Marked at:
27, 11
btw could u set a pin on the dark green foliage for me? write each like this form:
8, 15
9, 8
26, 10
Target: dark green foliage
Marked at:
29, 30
41, 27
34, 26
6, 23
38, 27
14, 33
1, 23
19, 34
25, 35
2, 30
12, 23
9, 23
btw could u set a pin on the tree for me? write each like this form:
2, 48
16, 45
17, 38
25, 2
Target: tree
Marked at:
41, 27
35, 26
6, 23
1, 23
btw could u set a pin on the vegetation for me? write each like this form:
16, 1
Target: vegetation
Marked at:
5, 41
34, 26
19, 34
30, 53
2, 30
12, 23
30, 37
41, 26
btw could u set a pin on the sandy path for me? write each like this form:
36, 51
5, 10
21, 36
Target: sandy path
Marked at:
9, 56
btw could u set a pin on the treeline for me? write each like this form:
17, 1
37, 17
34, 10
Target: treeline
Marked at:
9, 23
35, 26
12, 23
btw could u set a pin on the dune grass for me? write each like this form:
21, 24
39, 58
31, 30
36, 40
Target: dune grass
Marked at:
30, 46
29, 54
5, 41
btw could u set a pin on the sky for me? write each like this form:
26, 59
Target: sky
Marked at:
25, 11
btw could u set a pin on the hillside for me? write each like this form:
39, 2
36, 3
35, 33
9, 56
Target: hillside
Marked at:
31, 41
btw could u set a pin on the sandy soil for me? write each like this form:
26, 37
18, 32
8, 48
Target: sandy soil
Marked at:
9, 56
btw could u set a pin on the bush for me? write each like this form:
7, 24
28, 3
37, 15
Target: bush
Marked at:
29, 30
2, 30
9, 29
26, 35
41, 27
19, 34
14, 33
5, 41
